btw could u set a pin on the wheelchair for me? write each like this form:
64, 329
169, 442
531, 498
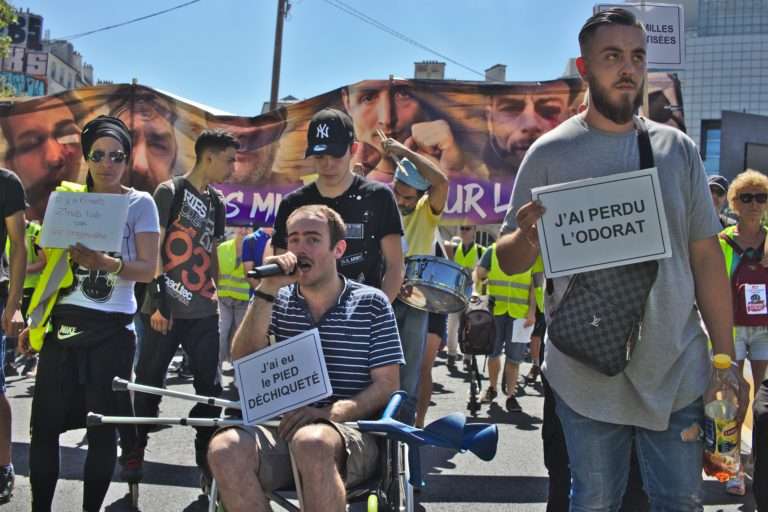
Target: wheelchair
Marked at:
389, 490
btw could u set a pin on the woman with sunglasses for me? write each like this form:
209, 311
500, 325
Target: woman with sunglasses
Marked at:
743, 247
91, 340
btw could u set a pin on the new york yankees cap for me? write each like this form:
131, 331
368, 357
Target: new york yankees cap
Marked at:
330, 133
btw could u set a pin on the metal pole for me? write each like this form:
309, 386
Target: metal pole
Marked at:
281, 12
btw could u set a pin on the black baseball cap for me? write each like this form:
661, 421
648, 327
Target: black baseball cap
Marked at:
330, 132
718, 181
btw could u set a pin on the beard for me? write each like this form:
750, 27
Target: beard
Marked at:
620, 112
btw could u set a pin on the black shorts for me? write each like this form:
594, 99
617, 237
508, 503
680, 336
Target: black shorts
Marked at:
438, 324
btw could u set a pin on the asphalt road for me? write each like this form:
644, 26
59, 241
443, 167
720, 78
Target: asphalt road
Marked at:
515, 480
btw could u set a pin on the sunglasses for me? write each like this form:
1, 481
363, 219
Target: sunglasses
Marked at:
717, 191
747, 197
115, 156
466, 228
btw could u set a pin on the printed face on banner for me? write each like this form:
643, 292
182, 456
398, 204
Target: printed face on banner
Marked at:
259, 140
43, 148
151, 121
517, 119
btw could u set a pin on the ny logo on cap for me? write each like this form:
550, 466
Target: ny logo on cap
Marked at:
322, 131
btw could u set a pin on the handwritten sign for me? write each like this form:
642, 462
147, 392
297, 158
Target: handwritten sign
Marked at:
283, 377
602, 222
664, 32
95, 220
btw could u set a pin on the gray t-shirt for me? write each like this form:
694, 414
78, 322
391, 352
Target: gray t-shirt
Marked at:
670, 365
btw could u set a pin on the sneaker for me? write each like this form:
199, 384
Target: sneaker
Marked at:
533, 374
7, 478
736, 485
450, 361
489, 396
132, 465
10, 370
184, 371
513, 405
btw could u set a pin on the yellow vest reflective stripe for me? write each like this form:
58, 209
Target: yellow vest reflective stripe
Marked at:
510, 292
232, 281
56, 275
468, 260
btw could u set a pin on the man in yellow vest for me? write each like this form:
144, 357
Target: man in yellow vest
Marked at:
515, 299
233, 290
465, 252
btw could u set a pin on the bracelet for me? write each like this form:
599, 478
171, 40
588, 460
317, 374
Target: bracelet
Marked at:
120, 266
264, 296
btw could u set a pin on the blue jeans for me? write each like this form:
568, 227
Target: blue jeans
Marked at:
599, 456
412, 326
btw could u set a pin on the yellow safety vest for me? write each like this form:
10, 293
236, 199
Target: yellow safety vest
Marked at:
232, 281
468, 260
32, 232
511, 292
56, 275
727, 249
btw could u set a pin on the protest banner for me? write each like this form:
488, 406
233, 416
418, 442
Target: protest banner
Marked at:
484, 127
602, 222
282, 377
665, 32
95, 220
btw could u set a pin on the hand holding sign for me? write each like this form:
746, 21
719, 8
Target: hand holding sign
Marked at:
527, 217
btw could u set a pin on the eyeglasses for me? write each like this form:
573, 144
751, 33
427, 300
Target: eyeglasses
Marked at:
115, 156
747, 197
465, 228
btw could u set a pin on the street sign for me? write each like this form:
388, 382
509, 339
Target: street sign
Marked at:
602, 222
665, 32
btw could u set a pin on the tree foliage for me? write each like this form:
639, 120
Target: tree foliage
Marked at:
7, 16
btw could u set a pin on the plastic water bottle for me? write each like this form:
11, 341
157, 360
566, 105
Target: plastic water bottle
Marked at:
721, 430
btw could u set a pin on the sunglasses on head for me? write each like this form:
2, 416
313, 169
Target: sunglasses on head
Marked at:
747, 197
115, 156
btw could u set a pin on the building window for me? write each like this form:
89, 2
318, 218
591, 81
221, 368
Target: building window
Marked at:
710, 145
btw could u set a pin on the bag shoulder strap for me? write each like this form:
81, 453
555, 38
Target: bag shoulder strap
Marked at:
730, 241
644, 144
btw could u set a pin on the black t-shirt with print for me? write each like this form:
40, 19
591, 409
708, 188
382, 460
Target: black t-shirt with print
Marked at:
12, 199
188, 247
370, 212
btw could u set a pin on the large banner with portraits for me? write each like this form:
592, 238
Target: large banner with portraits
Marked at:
478, 132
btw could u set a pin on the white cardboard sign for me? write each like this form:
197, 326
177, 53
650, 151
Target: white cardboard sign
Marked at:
602, 222
95, 220
282, 377
665, 32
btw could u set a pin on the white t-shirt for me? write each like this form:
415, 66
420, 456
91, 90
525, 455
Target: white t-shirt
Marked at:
103, 291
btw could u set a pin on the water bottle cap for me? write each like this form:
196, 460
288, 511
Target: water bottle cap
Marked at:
722, 361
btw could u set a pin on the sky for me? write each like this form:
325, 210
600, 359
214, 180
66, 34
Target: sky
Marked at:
219, 52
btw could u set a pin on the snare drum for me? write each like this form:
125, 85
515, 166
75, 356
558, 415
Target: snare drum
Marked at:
438, 285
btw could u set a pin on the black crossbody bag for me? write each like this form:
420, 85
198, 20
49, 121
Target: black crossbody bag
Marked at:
598, 320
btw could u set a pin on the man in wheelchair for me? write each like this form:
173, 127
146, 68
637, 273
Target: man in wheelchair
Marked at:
362, 351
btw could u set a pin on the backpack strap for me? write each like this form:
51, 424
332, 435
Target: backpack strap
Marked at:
177, 183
